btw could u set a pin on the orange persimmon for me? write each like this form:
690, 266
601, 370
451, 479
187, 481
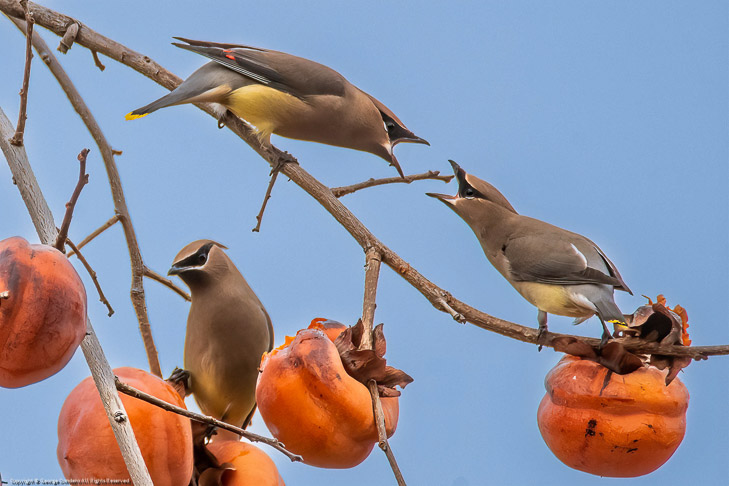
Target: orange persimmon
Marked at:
310, 403
43, 316
626, 427
250, 465
86, 445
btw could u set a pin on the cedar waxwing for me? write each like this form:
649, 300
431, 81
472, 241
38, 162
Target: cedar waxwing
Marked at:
558, 271
228, 330
289, 96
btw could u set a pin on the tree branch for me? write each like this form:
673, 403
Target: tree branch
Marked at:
438, 297
139, 394
431, 174
117, 192
42, 218
22, 115
92, 274
83, 179
111, 222
148, 272
372, 273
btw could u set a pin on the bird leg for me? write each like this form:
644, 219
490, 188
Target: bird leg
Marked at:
606, 334
542, 320
280, 160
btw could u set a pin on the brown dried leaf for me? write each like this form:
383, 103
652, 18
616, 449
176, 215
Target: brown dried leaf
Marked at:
614, 357
369, 364
575, 347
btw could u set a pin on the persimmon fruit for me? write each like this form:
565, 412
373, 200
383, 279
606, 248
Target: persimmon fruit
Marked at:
43, 318
310, 403
87, 448
250, 465
621, 426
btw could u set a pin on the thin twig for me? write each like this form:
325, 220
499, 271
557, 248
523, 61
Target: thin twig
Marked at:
259, 217
92, 274
83, 179
120, 205
42, 219
101, 67
68, 38
22, 114
111, 222
382, 433
446, 308
92, 40
133, 392
369, 303
431, 174
148, 272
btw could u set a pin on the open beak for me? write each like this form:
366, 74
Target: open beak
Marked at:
442, 197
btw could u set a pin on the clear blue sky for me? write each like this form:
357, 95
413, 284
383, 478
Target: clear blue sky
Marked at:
606, 118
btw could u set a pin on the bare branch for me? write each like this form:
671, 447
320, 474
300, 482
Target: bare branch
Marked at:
148, 272
117, 192
434, 294
92, 274
259, 217
431, 174
369, 302
42, 218
139, 394
111, 222
22, 115
83, 179
68, 38
381, 432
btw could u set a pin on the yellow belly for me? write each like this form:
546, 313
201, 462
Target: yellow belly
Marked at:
555, 299
265, 108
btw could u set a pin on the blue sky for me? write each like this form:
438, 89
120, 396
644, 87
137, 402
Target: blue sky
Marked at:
606, 118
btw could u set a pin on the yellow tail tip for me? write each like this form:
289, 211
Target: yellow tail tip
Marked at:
132, 116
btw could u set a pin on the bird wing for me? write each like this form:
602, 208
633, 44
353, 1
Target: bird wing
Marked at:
553, 259
291, 74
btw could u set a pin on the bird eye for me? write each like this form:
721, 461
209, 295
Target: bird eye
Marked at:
469, 193
202, 258
389, 126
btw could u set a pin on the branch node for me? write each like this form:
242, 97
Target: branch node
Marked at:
69, 37
92, 274
83, 179
120, 417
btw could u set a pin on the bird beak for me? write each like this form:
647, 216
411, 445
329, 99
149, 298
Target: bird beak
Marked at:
442, 197
460, 175
175, 270
410, 138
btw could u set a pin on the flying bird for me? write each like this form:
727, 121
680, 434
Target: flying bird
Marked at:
228, 330
290, 96
558, 271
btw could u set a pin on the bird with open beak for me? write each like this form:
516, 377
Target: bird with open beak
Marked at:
558, 271
289, 96
228, 330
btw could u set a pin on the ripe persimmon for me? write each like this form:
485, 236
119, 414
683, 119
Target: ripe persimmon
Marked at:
250, 466
310, 403
87, 448
618, 426
42, 317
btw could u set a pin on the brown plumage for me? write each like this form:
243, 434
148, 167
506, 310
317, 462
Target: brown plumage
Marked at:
290, 96
228, 330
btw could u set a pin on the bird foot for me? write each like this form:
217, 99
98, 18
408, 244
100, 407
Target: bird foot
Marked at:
180, 381
541, 337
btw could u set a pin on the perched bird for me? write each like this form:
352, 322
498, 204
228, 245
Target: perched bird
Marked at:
228, 330
558, 271
289, 96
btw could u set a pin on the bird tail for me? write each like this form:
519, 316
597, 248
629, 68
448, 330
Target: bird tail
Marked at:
609, 311
167, 100
210, 83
